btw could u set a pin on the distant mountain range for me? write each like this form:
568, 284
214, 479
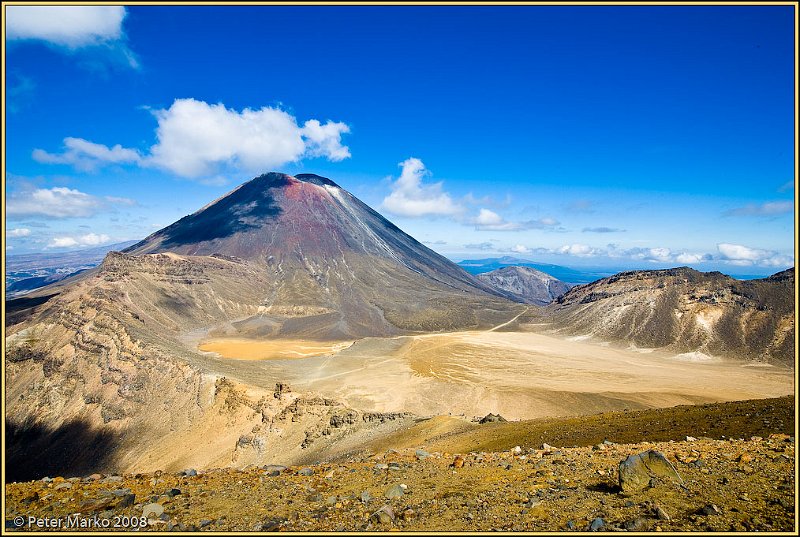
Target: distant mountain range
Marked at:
25, 272
565, 274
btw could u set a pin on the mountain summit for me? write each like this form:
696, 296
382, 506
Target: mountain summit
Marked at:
323, 251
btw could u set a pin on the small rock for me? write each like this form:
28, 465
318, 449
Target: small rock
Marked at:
597, 524
691, 439
384, 515
271, 524
547, 447
191, 472
152, 510
63, 486
126, 501
394, 466
570, 524
407, 515
395, 491
99, 504
636, 524
421, 454
517, 450
306, 472
458, 462
205, 522
273, 470
492, 418
95, 477
171, 493
710, 510
661, 514
744, 458
381, 466
365, 496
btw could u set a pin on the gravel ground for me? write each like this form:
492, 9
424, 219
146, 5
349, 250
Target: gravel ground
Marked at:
728, 485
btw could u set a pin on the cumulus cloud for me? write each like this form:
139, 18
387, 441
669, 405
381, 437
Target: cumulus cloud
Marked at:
487, 220
765, 209
87, 156
19, 232
71, 27
58, 202
199, 140
520, 249
737, 254
411, 197
90, 239
579, 250
602, 230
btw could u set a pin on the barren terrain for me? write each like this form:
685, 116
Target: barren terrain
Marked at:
447, 474
521, 375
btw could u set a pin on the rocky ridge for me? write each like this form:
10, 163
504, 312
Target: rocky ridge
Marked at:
686, 311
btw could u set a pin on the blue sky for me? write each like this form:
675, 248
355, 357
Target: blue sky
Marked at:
603, 136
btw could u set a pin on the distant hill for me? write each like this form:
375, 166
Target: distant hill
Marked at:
526, 284
565, 274
687, 311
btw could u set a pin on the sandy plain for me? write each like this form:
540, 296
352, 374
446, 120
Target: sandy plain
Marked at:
520, 375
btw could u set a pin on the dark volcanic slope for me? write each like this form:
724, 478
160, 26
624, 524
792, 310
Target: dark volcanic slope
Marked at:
326, 266
525, 284
686, 310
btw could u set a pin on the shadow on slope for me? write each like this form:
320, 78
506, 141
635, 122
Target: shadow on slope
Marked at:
34, 451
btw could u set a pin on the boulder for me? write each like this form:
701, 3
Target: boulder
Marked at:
636, 471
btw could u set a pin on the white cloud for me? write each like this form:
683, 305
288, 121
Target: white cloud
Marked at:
90, 239
69, 26
737, 254
579, 250
19, 232
491, 221
58, 202
196, 139
410, 197
690, 258
764, 209
87, 156
520, 249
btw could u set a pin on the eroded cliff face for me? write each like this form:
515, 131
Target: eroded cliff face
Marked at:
104, 361
687, 311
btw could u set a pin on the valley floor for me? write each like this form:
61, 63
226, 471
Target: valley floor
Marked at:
519, 374
738, 474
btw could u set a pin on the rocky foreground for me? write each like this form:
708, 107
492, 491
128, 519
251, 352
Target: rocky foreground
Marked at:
726, 484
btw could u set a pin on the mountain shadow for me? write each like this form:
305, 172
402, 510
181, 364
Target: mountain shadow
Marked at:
74, 449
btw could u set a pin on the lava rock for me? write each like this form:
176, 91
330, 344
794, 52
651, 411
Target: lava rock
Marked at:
636, 471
